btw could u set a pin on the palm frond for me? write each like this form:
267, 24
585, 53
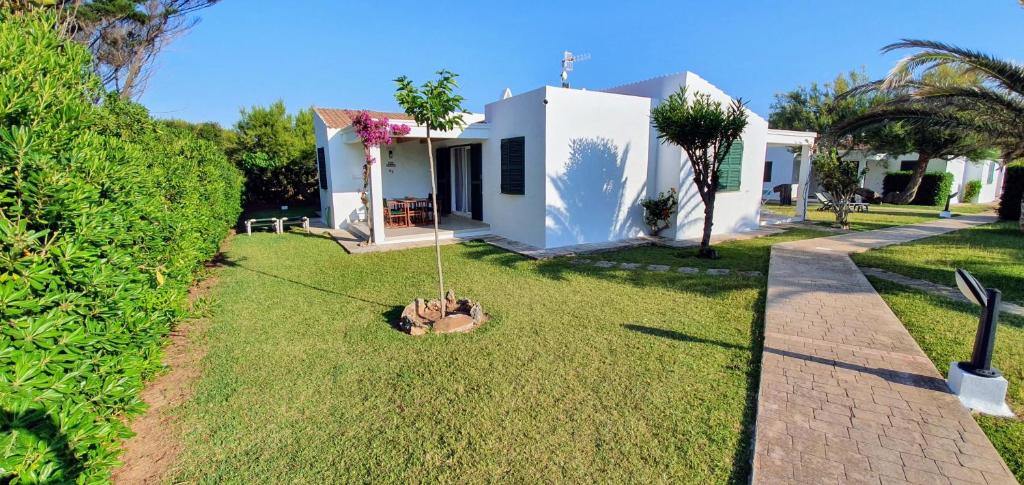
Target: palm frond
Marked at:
1005, 74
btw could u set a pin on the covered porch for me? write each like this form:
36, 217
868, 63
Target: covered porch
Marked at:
801, 143
449, 227
400, 190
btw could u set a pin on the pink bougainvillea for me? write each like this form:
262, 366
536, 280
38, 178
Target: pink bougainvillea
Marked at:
375, 132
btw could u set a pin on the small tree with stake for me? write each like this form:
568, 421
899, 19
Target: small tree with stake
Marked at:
705, 130
435, 106
840, 178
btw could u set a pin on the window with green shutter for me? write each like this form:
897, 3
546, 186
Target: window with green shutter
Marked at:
513, 166
731, 170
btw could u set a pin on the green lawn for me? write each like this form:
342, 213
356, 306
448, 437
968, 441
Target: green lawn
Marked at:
993, 253
583, 374
945, 331
879, 216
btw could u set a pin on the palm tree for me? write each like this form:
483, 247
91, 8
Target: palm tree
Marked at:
992, 107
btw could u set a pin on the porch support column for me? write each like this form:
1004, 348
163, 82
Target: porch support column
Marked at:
375, 216
803, 183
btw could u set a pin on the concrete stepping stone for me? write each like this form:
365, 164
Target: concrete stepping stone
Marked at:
658, 268
629, 265
750, 274
688, 270
605, 264
580, 261
717, 271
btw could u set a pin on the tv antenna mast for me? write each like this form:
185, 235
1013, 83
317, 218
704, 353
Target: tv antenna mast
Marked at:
568, 58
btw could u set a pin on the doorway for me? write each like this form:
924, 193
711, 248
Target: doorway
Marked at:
462, 203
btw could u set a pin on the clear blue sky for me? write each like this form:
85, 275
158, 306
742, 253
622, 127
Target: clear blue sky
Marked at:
345, 54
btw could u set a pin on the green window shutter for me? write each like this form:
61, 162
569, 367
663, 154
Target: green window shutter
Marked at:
731, 170
513, 166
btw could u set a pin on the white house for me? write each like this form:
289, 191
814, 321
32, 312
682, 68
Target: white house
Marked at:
551, 167
779, 169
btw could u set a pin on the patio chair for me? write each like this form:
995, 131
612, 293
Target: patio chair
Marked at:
395, 213
420, 211
826, 203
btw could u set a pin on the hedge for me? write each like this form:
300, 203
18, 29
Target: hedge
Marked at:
934, 190
970, 191
1013, 189
105, 220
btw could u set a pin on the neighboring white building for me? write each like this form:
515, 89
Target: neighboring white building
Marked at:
780, 162
551, 167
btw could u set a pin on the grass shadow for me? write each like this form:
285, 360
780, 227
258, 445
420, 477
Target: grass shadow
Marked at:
682, 337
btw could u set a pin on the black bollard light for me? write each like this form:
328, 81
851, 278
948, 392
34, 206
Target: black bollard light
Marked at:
985, 339
945, 214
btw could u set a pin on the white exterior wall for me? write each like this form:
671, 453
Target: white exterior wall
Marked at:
596, 166
340, 203
734, 211
516, 217
782, 168
410, 175
980, 171
962, 169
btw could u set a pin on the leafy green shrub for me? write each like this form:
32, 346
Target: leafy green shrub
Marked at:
1013, 190
658, 211
934, 190
277, 153
105, 220
971, 191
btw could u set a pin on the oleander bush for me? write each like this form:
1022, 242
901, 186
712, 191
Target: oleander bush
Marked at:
105, 218
971, 191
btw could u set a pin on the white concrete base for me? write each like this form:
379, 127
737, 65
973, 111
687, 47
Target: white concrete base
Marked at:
945, 214
983, 394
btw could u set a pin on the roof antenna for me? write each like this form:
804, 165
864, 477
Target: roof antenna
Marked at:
568, 58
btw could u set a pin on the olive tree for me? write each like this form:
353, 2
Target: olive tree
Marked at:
840, 179
705, 130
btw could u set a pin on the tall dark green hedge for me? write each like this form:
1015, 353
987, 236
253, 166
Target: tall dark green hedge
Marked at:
934, 190
105, 219
1013, 189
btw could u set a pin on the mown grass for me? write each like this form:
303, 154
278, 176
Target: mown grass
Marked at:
880, 216
993, 253
583, 374
945, 331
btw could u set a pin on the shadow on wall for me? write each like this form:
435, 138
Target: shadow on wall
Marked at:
596, 204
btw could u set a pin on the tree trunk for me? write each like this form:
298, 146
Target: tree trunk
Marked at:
908, 194
709, 221
841, 207
437, 241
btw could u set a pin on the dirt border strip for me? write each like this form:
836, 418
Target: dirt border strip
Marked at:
149, 456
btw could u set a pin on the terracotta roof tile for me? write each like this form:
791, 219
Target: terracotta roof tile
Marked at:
342, 118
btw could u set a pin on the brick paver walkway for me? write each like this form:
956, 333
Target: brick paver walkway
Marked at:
846, 394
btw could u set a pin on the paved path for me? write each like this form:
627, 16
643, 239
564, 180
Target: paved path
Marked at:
846, 394
935, 289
